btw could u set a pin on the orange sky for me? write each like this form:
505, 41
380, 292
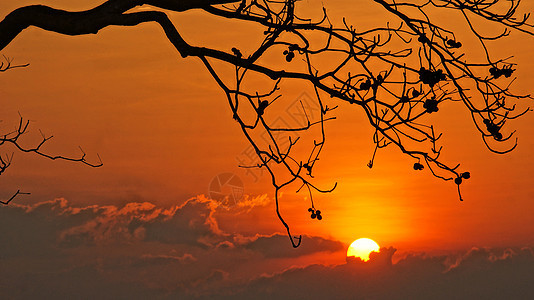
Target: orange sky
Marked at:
163, 130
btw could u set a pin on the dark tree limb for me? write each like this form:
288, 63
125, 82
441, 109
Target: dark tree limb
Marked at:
111, 12
421, 66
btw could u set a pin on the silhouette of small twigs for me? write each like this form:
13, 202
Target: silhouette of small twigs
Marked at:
14, 138
399, 75
13, 197
7, 64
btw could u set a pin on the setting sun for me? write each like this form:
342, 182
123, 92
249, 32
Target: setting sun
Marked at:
236, 149
362, 248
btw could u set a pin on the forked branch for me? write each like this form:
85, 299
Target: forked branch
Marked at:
399, 75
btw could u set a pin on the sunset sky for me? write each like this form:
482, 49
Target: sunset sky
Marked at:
143, 224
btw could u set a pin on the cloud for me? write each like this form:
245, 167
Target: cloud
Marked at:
276, 246
81, 282
163, 259
57, 223
53, 249
32, 230
180, 248
479, 274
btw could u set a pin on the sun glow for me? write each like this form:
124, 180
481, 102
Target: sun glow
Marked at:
362, 248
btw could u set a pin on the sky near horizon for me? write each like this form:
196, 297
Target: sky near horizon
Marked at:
164, 130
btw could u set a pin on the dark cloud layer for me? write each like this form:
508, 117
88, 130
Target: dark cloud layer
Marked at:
479, 274
54, 246
138, 251
275, 246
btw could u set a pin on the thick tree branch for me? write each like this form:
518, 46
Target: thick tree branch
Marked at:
397, 75
111, 12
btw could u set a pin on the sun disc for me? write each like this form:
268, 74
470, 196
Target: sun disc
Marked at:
362, 248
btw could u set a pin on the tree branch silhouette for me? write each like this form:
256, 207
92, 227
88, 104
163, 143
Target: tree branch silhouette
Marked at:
7, 64
13, 197
399, 76
13, 138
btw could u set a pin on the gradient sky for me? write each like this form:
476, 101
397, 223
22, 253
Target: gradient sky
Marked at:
163, 130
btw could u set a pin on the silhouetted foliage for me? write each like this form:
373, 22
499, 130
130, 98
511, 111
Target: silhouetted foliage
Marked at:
398, 75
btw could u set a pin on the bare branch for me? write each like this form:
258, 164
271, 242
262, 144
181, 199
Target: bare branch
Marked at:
13, 138
13, 197
399, 75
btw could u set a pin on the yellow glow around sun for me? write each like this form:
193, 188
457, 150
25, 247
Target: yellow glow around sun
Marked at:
362, 248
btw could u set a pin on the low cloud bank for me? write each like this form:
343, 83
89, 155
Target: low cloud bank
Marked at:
53, 249
478, 274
